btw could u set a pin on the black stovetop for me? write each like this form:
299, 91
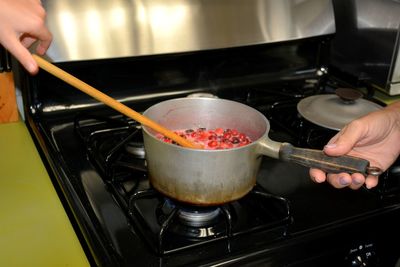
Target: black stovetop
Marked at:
287, 220
125, 222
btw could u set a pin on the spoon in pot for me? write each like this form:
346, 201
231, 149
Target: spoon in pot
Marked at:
111, 102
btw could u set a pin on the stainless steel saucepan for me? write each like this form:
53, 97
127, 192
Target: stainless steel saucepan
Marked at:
213, 177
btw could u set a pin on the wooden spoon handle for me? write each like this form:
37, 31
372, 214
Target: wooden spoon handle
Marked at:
84, 87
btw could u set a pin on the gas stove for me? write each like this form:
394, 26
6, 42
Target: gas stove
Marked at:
96, 159
99, 161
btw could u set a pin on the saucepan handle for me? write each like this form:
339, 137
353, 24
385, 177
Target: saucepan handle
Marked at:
318, 159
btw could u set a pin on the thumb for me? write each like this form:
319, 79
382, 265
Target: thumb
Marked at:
343, 142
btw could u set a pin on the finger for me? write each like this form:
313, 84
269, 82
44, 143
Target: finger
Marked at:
335, 137
42, 48
357, 180
345, 140
44, 37
44, 42
21, 53
38, 31
317, 175
339, 180
371, 181
27, 41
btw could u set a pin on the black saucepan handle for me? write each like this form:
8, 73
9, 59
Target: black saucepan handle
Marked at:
318, 159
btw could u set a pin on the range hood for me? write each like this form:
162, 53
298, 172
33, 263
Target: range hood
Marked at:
100, 29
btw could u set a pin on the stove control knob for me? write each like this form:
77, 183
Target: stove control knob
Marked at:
362, 255
357, 262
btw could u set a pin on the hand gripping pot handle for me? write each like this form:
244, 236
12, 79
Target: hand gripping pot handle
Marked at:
314, 158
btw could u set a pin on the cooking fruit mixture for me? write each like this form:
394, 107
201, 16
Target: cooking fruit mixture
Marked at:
212, 139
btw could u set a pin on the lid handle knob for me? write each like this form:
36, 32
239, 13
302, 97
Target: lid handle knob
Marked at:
348, 95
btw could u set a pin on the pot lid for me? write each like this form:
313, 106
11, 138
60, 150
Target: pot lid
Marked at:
334, 111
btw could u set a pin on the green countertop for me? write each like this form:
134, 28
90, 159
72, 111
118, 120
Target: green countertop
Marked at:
34, 228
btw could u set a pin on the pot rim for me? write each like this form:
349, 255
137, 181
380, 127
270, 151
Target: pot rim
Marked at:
253, 143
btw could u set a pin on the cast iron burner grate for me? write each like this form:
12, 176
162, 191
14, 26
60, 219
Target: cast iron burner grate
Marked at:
116, 149
166, 231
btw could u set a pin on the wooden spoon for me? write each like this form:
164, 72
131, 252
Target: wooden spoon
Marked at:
84, 87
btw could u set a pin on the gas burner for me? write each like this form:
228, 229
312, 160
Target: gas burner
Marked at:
198, 217
136, 149
175, 227
192, 222
191, 215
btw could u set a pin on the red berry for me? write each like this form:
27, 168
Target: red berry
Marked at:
227, 135
235, 140
204, 136
219, 131
225, 145
213, 143
212, 137
234, 132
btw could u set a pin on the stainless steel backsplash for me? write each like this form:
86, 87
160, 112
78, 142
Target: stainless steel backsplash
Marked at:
99, 29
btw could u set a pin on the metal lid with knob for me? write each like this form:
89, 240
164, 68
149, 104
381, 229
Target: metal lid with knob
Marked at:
334, 111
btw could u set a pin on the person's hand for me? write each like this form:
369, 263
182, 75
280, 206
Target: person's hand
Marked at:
22, 23
374, 137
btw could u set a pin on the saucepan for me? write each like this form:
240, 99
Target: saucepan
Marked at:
212, 177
